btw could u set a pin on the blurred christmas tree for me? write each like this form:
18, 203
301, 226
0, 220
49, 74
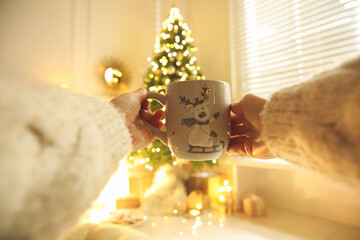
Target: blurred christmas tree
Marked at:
173, 60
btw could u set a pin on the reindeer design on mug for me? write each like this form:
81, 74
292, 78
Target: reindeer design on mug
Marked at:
200, 138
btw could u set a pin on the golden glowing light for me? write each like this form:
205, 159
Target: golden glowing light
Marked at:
98, 216
117, 187
112, 76
194, 212
65, 86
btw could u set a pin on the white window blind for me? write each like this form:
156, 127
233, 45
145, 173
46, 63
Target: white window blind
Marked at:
280, 43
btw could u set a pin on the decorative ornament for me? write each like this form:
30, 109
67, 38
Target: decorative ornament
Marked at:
112, 77
171, 70
253, 205
179, 56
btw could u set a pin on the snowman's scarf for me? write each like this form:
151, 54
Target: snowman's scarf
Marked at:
189, 122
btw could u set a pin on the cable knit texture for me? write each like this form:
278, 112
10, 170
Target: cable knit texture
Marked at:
316, 124
57, 151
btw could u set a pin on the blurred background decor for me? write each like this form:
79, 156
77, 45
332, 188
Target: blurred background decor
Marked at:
113, 76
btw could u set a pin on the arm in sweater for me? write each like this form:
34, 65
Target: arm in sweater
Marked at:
57, 151
317, 124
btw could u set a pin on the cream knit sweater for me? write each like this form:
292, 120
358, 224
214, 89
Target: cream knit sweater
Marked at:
317, 124
57, 151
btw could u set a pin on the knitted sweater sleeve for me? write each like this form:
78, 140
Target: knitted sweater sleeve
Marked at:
316, 124
57, 151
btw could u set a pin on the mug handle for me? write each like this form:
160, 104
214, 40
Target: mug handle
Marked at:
156, 132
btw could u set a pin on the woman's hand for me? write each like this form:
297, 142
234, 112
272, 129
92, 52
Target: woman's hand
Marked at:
246, 128
132, 105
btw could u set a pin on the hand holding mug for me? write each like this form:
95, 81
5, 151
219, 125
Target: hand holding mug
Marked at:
246, 128
129, 104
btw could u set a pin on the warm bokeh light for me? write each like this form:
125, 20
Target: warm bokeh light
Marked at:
194, 212
112, 76
117, 187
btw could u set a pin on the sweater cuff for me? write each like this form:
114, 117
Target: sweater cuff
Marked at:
112, 125
277, 120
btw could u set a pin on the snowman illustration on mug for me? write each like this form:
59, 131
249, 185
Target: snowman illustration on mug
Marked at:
200, 137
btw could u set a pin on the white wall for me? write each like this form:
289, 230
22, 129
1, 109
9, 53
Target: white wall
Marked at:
35, 39
210, 23
64, 42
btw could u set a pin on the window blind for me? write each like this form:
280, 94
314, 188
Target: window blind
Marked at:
279, 43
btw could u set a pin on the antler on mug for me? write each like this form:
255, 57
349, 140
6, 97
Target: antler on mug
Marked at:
204, 92
185, 100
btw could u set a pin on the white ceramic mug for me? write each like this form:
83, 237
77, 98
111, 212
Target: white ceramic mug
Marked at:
197, 118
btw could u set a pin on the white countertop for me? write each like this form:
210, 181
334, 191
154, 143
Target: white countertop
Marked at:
278, 224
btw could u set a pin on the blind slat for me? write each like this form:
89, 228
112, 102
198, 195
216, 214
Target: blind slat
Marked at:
280, 43
348, 21
280, 57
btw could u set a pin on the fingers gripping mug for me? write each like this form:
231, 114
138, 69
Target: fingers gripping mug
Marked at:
197, 118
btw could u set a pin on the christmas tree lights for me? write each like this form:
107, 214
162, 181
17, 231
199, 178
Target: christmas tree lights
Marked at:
173, 61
